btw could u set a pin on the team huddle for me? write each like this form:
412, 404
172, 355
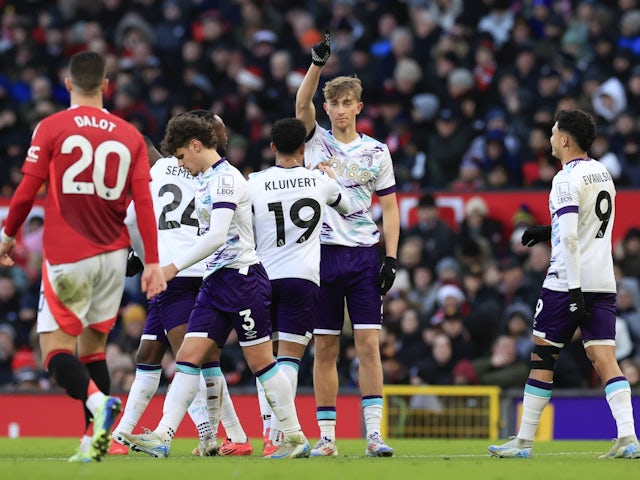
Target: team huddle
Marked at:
275, 258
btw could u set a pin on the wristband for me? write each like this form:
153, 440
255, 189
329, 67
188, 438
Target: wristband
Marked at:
6, 238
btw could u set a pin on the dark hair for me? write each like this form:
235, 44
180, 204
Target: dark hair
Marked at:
580, 125
203, 114
87, 70
184, 127
288, 135
218, 127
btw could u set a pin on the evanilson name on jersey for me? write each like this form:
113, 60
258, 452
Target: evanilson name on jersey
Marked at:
289, 183
596, 178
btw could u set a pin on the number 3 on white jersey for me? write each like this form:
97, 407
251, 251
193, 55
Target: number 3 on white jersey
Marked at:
99, 160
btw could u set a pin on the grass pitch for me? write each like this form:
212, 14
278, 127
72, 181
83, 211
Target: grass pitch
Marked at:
46, 458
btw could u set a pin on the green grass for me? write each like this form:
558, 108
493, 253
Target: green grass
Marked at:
46, 458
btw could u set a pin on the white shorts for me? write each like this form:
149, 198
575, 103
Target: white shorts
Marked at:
82, 294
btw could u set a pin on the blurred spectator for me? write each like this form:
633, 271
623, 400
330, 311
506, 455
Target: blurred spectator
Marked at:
437, 368
423, 291
627, 253
445, 148
7, 351
631, 371
478, 225
438, 239
503, 367
518, 323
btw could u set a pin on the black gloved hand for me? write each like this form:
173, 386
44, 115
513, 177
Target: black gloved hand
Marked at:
134, 264
536, 234
577, 307
387, 274
320, 51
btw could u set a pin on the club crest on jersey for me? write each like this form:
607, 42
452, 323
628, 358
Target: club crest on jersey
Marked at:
367, 159
225, 185
564, 192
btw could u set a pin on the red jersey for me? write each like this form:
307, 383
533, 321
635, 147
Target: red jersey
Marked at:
89, 157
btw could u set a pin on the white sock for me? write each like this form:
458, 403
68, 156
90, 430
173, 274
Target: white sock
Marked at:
326, 417
289, 366
213, 379
280, 396
199, 413
85, 443
619, 398
265, 409
182, 392
144, 386
291, 371
229, 417
536, 396
372, 418
94, 401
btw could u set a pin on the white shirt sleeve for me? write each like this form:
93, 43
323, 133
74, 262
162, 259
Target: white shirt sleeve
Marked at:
210, 241
130, 221
570, 247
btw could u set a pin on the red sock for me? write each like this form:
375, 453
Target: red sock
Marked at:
92, 388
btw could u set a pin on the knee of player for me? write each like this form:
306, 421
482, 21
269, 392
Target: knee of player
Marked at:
543, 357
150, 352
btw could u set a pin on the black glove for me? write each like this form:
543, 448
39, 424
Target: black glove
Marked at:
536, 234
134, 264
320, 51
576, 304
387, 274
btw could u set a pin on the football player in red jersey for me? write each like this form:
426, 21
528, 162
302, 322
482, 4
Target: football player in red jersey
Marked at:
92, 160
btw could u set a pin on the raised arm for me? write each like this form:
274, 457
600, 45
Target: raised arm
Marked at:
305, 109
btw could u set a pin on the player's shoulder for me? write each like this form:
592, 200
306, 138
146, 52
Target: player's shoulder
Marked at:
319, 174
260, 174
161, 164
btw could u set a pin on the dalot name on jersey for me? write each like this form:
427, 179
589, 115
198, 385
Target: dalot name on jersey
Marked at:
91, 121
289, 183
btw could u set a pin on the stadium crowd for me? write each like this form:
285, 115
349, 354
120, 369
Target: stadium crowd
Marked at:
462, 91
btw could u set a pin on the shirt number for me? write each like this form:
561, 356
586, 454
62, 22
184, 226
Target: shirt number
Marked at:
98, 159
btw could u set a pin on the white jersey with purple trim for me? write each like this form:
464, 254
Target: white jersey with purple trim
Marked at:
363, 167
585, 187
223, 186
288, 204
173, 195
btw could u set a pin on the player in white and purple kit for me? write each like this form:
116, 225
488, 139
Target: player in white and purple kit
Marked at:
172, 191
235, 292
289, 201
349, 266
579, 290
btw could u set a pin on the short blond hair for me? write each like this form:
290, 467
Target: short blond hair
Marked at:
342, 86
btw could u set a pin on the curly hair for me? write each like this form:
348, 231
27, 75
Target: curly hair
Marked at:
183, 128
288, 135
580, 125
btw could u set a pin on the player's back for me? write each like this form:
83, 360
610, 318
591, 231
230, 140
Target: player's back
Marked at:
89, 157
288, 204
588, 186
173, 194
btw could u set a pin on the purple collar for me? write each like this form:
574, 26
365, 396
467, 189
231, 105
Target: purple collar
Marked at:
578, 160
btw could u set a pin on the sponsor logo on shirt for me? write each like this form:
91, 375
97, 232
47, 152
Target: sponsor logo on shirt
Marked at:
563, 192
32, 154
225, 185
